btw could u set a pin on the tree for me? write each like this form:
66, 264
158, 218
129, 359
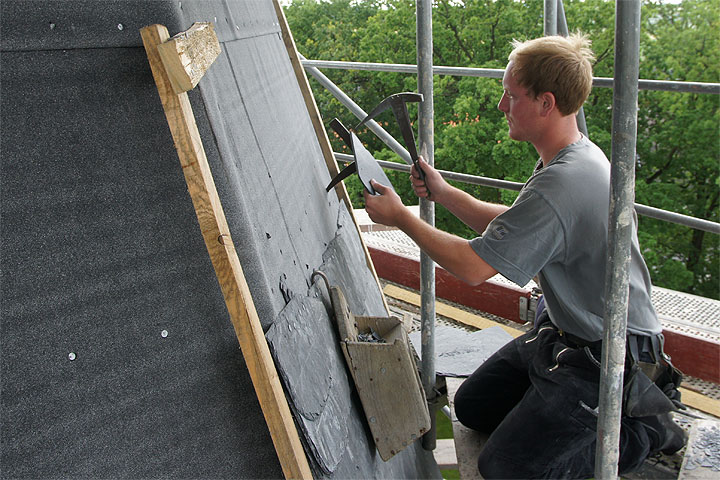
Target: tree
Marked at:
678, 154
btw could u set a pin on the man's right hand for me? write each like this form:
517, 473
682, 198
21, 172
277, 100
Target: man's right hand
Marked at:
433, 187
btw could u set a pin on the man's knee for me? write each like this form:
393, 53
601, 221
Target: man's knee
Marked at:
491, 466
486, 467
472, 413
463, 407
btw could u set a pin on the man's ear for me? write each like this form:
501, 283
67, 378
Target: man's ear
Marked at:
548, 102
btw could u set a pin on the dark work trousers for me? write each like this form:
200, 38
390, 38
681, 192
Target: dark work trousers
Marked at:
537, 397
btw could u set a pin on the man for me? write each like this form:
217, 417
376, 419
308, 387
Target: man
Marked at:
537, 397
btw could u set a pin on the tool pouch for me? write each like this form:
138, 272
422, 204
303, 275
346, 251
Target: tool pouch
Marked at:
642, 397
651, 388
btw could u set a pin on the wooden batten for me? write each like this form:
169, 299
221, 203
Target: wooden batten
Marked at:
458, 315
221, 249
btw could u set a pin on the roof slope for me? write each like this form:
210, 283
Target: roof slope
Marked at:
118, 356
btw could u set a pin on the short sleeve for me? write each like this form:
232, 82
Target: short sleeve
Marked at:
521, 241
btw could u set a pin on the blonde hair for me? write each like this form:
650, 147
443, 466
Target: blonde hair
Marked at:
560, 65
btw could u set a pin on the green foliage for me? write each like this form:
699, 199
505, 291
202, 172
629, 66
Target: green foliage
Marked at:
443, 425
678, 146
678, 154
450, 474
443, 430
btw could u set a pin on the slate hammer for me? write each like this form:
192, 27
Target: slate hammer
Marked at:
398, 103
364, 165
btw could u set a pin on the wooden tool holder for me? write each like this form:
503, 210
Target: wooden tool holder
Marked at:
385, 376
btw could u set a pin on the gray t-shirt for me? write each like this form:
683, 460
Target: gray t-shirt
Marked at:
557, 229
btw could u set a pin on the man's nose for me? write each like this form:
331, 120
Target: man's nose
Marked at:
501, 104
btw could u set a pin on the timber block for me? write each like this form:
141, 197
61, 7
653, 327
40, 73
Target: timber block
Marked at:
702, 454
445, 454
188, 55
468, 443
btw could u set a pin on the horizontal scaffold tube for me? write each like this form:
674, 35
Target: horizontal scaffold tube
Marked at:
651, 212
665, 85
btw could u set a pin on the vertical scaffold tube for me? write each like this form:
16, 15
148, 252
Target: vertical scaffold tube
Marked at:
622, 196
550, 11
427, 208
562, 29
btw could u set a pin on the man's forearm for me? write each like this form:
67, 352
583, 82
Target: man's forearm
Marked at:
451, 252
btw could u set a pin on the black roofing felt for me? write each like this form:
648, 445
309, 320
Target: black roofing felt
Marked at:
118, 356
